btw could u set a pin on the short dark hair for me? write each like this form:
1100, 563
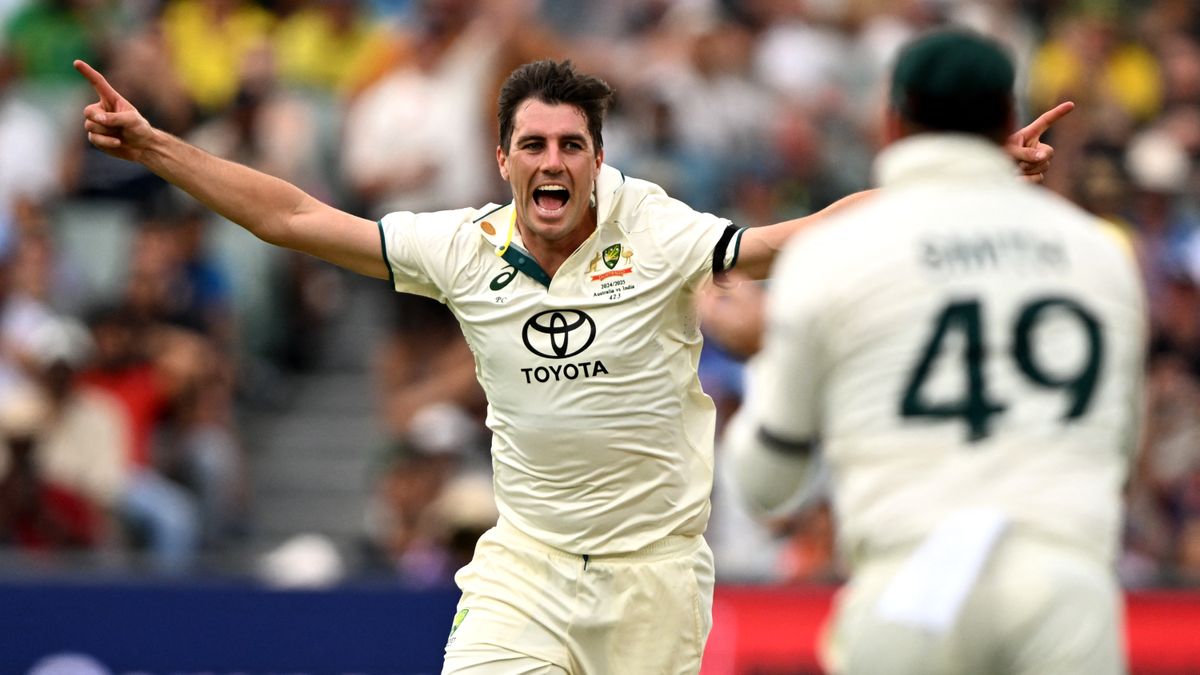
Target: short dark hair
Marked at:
554, 82
955, 80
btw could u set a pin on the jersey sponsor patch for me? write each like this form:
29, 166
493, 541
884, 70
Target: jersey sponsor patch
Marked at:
559, 333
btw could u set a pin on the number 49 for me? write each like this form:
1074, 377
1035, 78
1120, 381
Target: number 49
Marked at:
975, 406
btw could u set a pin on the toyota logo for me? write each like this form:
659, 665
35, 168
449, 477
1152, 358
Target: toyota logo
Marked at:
558, 333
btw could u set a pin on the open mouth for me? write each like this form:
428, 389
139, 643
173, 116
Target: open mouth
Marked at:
551, 199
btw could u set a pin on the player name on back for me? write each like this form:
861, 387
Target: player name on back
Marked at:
1002, 250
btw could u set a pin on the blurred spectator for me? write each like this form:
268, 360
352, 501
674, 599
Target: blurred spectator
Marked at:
274, 130
1180, 56
45, 36
416, 139
424, 359
209, 42
41, 274
1091, 60
197, 445
802, 171
85, 442
31, 164
1164, 221
174, 280
806, 59
266, 128
412, 530
715, 76
325, 45
162, 515
460, 515
36, 513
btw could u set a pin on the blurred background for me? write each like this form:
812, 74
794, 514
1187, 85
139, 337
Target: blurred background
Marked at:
181, 402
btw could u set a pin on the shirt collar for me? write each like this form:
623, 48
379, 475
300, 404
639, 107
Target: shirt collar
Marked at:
939, 157
608, 184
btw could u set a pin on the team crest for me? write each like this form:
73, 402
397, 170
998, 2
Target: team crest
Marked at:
612, 255
619, 261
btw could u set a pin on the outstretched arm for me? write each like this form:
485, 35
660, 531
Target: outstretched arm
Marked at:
271, 209
760, 245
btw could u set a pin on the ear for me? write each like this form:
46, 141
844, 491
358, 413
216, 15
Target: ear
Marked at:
502, 162
599, 160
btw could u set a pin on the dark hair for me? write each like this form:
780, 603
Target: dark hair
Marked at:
554, 82
955, 80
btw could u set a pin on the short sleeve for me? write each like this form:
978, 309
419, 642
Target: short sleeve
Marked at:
688, 238
421, 250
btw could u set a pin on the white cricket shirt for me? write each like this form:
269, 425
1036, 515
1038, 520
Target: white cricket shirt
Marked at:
963, 339
602, 440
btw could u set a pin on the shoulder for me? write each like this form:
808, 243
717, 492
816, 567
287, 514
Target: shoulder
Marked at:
443, 225
439, 235
1082, 228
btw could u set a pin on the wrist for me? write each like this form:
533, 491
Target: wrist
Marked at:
158, 150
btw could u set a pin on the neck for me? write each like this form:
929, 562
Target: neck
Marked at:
551, 254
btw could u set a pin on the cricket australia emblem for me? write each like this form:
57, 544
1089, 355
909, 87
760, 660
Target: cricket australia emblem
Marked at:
612, 256
618, 259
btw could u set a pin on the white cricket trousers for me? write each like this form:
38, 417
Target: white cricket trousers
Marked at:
530, 608
1038, 607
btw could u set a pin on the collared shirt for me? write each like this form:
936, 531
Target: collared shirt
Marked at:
963, 339
602, 439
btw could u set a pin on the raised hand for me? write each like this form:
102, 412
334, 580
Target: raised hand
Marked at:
112, 123
1026, 146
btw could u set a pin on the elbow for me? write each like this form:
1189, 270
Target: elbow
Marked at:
772, 477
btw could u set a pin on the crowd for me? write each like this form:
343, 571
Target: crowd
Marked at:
132, 344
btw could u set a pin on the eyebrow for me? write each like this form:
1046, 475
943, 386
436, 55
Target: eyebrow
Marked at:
581, 138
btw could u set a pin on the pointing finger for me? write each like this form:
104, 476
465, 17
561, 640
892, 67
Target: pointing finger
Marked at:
1032, 133
108, 95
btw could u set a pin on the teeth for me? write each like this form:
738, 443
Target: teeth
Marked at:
553, 188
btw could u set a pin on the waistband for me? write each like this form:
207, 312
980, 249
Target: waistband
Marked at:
669, 546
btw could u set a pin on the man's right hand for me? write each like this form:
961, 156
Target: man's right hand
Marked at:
112, 123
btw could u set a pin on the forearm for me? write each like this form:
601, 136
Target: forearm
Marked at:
268, 207
271, 209
760, 245
261, 203
771, 481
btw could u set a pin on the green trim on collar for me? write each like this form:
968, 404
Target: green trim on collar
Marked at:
520, 259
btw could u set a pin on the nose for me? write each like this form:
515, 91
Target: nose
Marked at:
552, 160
